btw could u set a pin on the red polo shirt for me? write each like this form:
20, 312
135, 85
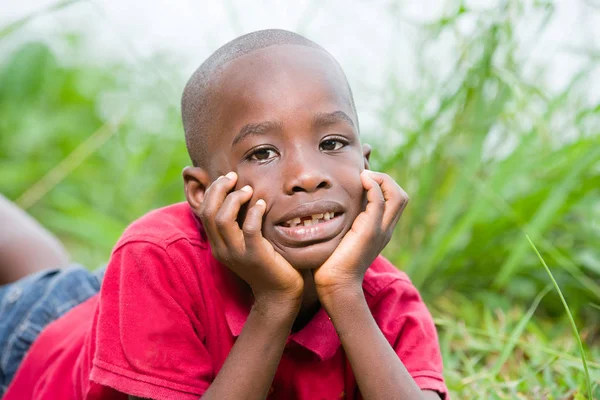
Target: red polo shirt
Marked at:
168, 314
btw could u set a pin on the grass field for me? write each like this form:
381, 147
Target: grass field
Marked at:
489, 156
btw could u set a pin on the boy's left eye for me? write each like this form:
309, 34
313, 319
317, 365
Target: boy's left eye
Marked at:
331, 144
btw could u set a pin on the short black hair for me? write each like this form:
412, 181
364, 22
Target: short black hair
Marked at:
195, 102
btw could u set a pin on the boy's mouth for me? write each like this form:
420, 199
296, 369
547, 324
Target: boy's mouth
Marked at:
309, 220
311, 223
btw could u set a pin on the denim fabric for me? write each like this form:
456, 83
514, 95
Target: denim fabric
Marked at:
28, 305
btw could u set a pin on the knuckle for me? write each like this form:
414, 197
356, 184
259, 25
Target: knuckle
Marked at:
372, 234
398, 201
206, 211
383, 178
216, 189
238, 197
220, 220
250, 230
237, 254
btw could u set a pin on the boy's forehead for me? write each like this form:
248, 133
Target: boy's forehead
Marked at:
310, 64
275, 81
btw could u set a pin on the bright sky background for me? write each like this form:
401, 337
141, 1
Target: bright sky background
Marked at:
371, 39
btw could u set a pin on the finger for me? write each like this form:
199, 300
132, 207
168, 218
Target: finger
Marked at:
226, 218
375, 200
253, 225
395, 197
213, 200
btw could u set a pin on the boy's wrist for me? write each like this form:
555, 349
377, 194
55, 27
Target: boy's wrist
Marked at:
277, 307
346, 296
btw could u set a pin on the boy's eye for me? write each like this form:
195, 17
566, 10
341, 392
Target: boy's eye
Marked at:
331, 144
262, 154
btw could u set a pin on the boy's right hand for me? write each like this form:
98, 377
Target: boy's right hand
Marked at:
245, 251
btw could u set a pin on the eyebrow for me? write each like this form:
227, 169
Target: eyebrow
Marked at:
256, 129
320, 119
326, 119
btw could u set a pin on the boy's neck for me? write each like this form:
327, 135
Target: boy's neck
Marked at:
310, 302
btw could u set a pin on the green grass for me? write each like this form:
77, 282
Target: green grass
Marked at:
571, 320
88, 149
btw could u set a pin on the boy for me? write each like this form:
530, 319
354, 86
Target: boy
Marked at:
268, 281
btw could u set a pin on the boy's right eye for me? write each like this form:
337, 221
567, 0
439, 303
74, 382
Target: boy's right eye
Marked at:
262, 154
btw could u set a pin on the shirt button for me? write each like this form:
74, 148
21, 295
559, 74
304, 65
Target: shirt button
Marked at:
342, 395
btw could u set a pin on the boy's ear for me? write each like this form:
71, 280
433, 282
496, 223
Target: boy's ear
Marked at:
366, 154
195, 181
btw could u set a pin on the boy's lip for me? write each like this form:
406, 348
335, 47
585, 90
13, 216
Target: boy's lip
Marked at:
302, 235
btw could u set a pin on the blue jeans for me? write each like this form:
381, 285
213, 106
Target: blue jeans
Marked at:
31, 303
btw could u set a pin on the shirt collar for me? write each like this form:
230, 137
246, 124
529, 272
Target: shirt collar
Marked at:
318, 336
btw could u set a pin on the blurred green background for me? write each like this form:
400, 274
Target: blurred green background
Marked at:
488, 153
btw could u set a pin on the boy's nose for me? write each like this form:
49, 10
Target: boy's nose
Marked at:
306, 178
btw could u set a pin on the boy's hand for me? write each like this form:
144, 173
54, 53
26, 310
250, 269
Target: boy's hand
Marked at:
245, 251
369, 234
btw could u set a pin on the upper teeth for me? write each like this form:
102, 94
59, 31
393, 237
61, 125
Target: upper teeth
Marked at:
313, 220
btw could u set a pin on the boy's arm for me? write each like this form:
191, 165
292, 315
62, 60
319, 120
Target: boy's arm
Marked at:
250, 366
25, 246
379, 372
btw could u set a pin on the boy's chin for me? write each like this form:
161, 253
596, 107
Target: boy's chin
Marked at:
310, 257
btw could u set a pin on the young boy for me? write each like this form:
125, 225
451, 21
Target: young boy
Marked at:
267, 282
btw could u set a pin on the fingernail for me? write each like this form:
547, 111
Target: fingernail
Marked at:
246, 188
261, 202
230, 175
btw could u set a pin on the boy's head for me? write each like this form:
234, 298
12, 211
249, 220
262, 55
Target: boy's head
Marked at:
277, 109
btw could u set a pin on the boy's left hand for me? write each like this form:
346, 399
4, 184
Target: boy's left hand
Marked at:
370, 233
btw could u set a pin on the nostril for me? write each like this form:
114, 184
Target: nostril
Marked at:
308, 185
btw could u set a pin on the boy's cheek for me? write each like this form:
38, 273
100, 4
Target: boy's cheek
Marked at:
244, 178
258, 185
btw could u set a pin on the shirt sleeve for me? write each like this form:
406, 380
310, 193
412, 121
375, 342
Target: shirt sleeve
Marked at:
408, 326
149, 342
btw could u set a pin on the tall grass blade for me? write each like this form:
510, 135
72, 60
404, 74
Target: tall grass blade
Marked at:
516, 334
568, 311
66, 166
548, 209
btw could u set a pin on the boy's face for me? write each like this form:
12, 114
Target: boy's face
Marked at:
285, 124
